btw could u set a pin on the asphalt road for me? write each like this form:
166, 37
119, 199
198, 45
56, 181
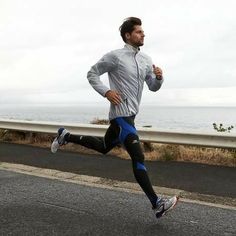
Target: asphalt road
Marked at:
204, 179
32, 205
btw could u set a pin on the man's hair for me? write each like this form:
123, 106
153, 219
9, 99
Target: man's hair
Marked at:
128, 26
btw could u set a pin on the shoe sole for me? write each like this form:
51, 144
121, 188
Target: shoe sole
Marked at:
53, 149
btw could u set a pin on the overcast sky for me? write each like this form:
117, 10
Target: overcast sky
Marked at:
47, 47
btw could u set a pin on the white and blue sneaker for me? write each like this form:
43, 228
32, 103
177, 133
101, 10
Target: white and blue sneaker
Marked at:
59, 140
164, 205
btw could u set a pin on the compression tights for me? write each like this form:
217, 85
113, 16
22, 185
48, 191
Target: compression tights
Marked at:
121, 130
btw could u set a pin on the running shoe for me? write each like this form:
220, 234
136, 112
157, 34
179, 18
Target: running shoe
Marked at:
164, 205
59, 140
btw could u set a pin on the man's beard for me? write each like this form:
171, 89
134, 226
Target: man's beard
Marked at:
139, 44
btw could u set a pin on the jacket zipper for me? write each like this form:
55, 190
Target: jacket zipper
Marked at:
127, 104
137, 72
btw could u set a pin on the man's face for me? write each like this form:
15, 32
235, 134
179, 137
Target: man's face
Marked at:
136, 37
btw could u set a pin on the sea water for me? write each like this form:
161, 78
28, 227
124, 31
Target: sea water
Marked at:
199, 119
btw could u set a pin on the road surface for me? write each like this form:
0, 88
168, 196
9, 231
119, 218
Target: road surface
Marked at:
31, 205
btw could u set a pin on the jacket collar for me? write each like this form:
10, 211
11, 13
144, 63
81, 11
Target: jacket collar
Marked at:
134, 49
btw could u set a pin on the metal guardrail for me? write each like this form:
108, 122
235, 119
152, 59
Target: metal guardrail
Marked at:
145, 134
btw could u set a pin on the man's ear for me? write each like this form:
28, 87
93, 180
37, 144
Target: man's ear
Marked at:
127, 36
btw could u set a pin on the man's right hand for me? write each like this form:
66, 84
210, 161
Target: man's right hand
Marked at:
113, 96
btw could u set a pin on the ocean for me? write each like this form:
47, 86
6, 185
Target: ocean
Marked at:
186, 119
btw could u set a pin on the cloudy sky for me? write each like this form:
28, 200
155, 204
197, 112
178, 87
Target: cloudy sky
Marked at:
47, 47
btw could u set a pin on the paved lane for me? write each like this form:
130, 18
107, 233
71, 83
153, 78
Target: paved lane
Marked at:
32, 205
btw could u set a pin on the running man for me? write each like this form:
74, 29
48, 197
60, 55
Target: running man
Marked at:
128, 68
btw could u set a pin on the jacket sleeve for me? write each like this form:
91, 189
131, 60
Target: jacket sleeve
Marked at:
106, 64
151, 80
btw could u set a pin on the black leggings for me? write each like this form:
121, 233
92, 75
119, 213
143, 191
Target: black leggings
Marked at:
121, 130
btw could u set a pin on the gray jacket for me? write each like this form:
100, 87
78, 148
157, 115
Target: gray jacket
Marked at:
127, 70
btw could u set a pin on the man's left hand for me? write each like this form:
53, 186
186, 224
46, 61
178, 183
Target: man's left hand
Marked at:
157, 71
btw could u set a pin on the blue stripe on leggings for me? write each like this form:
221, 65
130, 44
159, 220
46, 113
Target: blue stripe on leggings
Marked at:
126, 129
141, 166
